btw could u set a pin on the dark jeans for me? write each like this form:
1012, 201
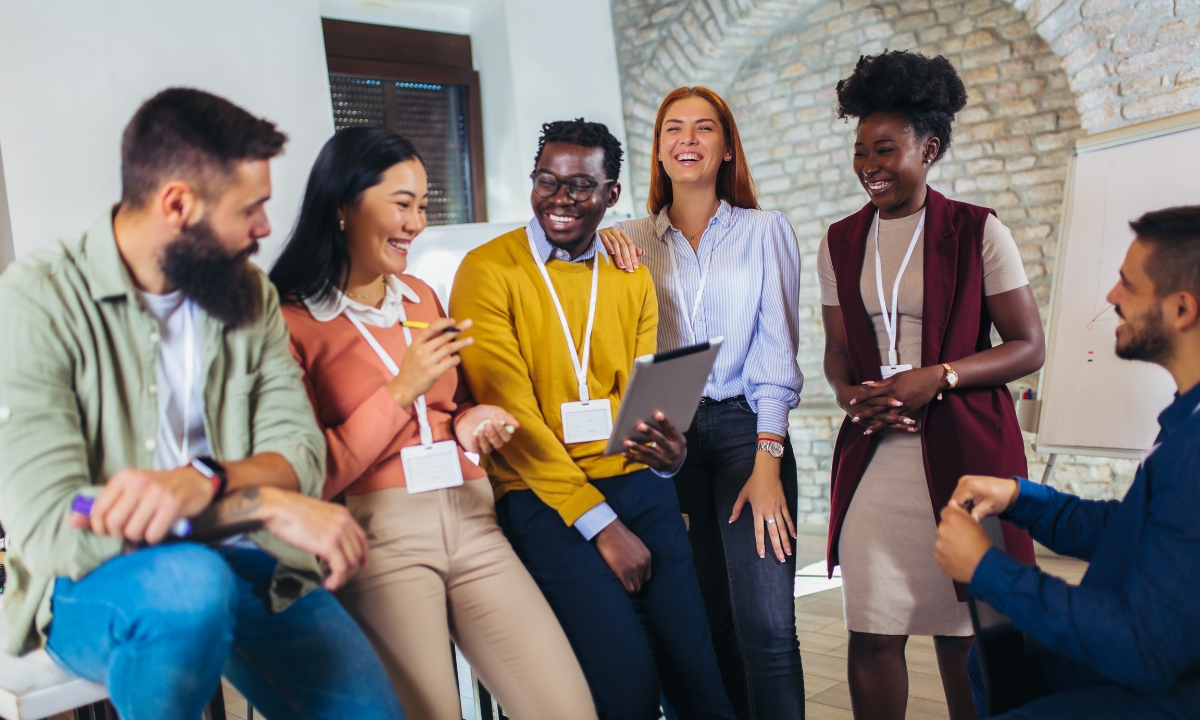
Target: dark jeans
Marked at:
750, 600
158, 627
618, 638
1070, 696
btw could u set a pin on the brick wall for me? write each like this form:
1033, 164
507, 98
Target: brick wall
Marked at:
1039, 74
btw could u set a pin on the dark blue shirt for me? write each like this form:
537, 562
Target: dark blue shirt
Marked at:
1134, 620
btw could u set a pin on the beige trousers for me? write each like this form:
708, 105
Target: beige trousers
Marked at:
441, 568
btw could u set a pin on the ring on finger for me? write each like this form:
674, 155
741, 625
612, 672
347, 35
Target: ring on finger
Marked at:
770, 521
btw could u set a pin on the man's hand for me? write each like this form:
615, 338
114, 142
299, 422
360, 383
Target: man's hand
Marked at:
625, 554
961, 543
982, 496
321, 528
141, 505
664, 452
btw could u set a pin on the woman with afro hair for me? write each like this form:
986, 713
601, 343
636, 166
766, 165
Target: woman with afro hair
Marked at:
911, 286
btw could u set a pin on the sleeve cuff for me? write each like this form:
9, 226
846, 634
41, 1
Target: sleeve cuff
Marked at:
593, 521
1031, 500
772, 416
673, 473
993, 577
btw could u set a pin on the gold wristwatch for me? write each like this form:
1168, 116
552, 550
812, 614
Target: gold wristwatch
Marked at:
951, 378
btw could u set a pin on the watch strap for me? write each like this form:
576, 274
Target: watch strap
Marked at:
214, 471
772, 447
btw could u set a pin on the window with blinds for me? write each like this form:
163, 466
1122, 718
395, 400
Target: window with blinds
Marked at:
421, 85
433, 117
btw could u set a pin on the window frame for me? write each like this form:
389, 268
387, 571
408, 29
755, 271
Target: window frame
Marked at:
407, 55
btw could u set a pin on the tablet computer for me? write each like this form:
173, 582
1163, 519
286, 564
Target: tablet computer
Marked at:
669, 382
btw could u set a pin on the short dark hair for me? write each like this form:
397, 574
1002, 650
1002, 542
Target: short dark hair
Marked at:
1174, 237
585, 134
927, 92
192, 135
315, 261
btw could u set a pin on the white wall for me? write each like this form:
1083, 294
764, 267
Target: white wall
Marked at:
72, 73
521, 49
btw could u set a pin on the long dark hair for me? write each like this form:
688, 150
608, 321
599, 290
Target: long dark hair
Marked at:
315, 261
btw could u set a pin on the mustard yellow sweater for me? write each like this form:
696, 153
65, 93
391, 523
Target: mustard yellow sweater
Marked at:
520, 362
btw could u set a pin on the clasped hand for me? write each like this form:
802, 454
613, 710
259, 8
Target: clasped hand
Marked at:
887, 405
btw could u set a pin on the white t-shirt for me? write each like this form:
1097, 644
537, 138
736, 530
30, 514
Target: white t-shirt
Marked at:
181, 435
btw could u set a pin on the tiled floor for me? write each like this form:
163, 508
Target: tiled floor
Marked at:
823, 641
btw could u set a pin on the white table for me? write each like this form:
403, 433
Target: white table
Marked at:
35, 687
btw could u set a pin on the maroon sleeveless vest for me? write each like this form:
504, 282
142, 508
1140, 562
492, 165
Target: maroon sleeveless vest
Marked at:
971, 431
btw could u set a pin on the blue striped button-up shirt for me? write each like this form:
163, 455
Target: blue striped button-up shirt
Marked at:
751, 297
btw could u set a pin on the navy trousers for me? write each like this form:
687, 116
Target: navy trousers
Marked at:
621, 640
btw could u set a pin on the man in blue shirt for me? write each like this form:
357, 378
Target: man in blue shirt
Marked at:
1125, 642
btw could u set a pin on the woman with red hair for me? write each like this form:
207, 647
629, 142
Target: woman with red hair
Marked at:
724, 268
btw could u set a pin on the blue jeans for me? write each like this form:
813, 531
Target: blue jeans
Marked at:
750, 600
158, 627
624, 643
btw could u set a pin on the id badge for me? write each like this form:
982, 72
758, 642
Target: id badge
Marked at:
889, 370
586, 421
431, 468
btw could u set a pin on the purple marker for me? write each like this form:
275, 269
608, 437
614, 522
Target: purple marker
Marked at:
82, 504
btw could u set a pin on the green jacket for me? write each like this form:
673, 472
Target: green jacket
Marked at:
78, 354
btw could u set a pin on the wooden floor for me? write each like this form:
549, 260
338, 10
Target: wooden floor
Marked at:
823, 639
822, 631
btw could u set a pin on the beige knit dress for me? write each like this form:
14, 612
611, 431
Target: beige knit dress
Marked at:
891, 584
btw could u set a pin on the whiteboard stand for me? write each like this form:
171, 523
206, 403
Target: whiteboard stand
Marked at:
1093, 403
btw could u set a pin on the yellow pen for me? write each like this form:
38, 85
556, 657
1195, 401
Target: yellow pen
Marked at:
420, 325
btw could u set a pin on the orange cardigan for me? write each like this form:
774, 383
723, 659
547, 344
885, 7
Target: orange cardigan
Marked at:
364, 426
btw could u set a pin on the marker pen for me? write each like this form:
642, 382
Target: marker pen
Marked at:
419, 325
82, 504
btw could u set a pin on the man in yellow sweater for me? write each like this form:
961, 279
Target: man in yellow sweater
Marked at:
557, 326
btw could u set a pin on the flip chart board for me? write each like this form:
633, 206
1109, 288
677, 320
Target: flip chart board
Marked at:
1094, 403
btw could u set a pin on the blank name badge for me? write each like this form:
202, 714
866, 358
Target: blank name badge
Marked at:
431, 468
586, 421
889, 370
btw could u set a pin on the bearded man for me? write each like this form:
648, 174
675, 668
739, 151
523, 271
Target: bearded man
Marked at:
1125, 643
145, 379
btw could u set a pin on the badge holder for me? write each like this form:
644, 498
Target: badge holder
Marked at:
890, 323
430, 465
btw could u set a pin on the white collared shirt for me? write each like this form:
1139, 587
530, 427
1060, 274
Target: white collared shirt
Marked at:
385, 316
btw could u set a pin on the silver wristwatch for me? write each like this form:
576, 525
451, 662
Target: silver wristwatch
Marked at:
774, 448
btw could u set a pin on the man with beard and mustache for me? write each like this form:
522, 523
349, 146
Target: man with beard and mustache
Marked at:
146, 366
1126, 642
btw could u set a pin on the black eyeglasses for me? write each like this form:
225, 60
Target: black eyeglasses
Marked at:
547, 184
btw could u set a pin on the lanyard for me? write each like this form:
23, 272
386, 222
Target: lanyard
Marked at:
688, 316
390, 364
180, 449
581, 365
889, 324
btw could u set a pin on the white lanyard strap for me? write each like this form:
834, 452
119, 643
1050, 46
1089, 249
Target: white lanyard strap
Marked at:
180, 447
678, 281
581, 365
390, 364
889, 324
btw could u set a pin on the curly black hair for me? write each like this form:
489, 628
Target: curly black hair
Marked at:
926, 91
585, 134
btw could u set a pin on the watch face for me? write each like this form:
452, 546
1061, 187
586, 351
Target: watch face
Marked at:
952, 378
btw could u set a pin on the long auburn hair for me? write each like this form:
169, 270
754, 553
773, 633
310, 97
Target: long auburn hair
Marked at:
734, 184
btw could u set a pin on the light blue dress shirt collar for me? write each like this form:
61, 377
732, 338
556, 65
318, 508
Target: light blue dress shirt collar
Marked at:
662, 223
546, 250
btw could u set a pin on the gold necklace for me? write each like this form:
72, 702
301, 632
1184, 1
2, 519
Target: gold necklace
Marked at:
382, 288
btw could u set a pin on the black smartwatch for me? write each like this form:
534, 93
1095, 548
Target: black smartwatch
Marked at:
214, 471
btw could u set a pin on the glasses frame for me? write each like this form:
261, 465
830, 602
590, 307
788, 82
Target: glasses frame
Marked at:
560, 182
